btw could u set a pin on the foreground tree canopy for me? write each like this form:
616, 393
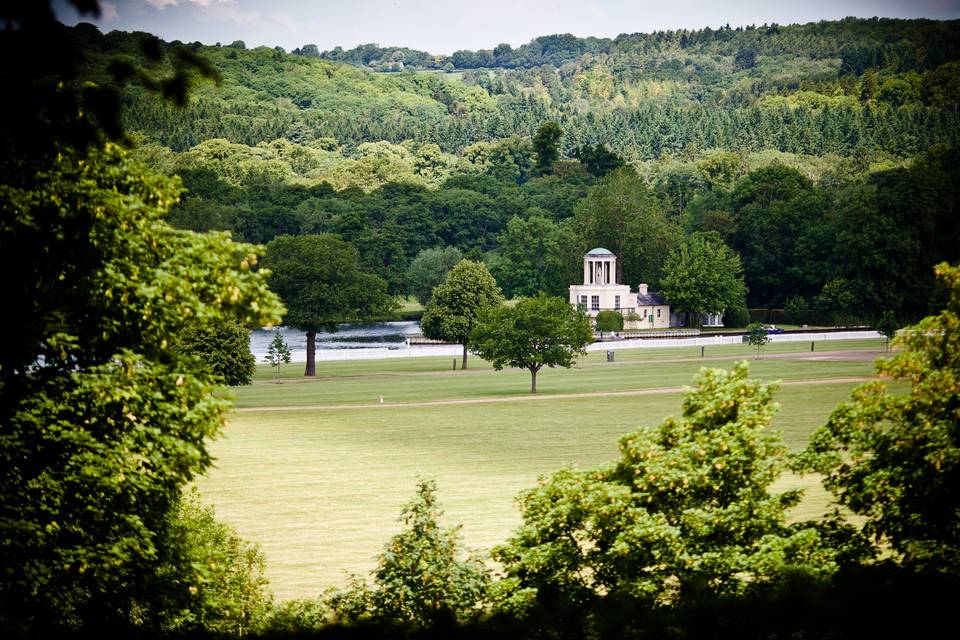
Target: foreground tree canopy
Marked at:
895, 459
687, 510
424, 576
533, 333
103, 422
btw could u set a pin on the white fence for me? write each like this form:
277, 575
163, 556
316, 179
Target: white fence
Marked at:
455, 350
732, 339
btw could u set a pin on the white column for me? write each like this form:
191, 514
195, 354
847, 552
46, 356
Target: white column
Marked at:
586, 271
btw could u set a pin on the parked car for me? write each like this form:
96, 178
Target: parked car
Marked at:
770, 328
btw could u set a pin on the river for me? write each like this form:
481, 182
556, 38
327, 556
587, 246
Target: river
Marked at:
367, 335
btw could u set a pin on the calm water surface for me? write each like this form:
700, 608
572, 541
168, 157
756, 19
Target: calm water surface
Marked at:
368, 335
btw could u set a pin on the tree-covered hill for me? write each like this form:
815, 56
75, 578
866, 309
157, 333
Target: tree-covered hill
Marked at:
900, 45
828, 87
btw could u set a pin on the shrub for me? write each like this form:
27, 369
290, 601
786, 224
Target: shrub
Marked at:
609, 321
223, 348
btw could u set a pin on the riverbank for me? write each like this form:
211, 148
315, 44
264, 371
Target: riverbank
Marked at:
400, 347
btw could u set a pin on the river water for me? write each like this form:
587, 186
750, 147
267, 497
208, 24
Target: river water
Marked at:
367, 335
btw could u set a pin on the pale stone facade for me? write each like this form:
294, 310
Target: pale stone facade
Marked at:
600, 291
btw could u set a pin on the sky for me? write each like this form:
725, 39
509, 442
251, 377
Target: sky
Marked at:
443, 26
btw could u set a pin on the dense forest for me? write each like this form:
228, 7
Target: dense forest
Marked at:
885, 85
824, 154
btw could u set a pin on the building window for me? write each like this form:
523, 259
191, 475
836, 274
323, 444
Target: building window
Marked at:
616, 302
595, 303
658, 313
583, 303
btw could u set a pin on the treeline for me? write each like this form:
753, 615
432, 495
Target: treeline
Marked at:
644, 102
857, 241
898, 45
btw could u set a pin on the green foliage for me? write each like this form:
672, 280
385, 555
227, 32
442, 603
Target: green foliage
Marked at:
736, 316
223, 574
278, 353
887, 326
319, 278
721, 168
622, 215
103, 423
420, 579
696, 91
123, 278
547, 145
609, 321
746, 58
458, 302
894, 459
704, 276
533, 257
296, 616
223, 348
598, 159
757, 336
687, 511
794, 308
536, 331
429, 269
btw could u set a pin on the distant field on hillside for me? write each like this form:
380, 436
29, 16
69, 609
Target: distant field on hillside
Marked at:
321, 487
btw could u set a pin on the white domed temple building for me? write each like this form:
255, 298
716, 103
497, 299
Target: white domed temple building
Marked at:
600, 291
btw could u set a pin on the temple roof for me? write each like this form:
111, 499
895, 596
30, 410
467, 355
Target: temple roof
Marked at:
600, 251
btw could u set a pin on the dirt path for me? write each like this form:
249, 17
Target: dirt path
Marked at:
523, 398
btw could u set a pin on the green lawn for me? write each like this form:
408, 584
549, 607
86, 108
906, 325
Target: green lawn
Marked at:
400, 380
321, 488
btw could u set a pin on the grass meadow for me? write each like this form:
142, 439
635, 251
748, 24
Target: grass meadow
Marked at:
316, 471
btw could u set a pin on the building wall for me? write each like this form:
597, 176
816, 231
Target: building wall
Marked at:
654, 316
605, 297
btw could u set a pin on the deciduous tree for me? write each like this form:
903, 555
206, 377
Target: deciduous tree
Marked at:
278, 353
547, 145
609, 321
422, 577
703, 276
535, 332
531, 257
757, 337
621, 214
429, 269
223, 348
319, 279
458, 302
103, 422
